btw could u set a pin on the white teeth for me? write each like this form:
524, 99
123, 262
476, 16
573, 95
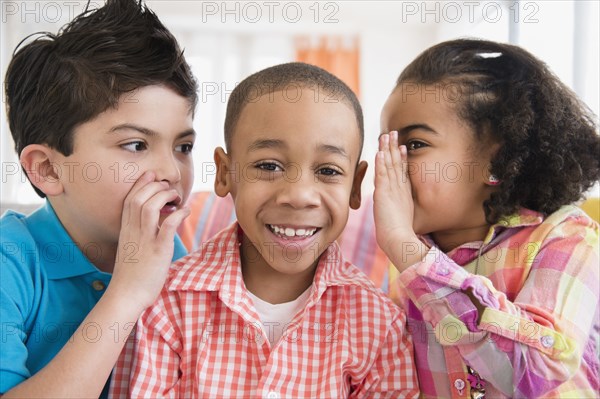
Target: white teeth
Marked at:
290, 232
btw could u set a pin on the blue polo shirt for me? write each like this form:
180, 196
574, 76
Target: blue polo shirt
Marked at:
47, 288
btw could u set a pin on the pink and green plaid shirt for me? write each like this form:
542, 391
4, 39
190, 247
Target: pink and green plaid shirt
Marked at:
539, 333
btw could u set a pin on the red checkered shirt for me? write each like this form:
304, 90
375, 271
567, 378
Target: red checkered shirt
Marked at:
203, 338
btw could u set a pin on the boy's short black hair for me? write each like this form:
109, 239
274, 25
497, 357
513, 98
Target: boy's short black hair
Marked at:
57, 82
549, 140
292, 76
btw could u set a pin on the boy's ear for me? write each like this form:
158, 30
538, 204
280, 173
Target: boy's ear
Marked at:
37, 162
222, 181
359, 175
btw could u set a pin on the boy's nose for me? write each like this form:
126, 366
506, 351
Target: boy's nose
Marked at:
299, 192
167, 169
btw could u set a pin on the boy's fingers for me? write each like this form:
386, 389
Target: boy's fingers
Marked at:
141, 182
150, 212
169, 226
135, 201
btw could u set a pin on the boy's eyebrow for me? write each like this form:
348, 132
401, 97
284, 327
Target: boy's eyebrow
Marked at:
266, 143
333, 149
273, 143
146, 131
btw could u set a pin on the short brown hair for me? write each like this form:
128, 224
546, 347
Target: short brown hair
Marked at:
57, 82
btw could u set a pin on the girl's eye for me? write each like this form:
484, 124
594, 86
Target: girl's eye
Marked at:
135, 146
415, 145
269, 167
185, 148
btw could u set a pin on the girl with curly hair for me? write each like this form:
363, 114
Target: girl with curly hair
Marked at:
483, 154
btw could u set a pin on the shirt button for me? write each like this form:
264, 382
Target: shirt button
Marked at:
98, 285
273, 395
443, 271
459, 384
547, 341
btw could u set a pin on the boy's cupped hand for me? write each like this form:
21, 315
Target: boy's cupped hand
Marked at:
145, 245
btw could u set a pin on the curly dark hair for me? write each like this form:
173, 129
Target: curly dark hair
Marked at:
59, 81
549, 140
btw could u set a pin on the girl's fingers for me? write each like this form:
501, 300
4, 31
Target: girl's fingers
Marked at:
381, 141
403, 170
395, 153
381, 177
387, 157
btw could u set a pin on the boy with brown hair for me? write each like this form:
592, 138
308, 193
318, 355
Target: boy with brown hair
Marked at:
101, 114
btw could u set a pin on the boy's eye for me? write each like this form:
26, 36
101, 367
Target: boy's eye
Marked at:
185, 148
415, 145
269, 166
134, 146
328, 172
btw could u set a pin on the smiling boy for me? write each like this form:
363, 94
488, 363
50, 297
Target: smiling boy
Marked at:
268, 307
101, 115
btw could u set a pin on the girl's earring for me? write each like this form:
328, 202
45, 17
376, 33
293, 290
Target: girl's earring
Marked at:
493, 180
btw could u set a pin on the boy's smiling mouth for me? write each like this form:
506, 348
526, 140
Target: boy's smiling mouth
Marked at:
289, 232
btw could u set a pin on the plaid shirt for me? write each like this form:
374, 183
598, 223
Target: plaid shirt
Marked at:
203, 337
539, 333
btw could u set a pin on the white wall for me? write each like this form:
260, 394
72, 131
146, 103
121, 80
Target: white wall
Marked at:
224, 42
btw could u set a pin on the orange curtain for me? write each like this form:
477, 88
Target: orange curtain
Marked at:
337, 55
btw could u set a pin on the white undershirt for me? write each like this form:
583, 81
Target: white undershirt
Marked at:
276, 317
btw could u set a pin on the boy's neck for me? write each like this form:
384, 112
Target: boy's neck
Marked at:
269, 284
98, 252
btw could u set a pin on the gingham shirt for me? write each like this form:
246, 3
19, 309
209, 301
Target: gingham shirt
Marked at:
203, 337
539, 333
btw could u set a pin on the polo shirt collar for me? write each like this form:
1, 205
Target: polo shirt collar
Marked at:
62, 258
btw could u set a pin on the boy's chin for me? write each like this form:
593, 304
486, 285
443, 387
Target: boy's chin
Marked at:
290, 265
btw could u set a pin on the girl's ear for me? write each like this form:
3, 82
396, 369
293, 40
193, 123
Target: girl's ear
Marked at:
359, 175
43, 173
489, 178
222, 179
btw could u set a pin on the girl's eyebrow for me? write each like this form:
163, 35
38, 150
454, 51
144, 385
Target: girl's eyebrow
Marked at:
407, 129
420, 126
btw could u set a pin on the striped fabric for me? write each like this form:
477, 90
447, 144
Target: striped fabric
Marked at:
210, 214
538, 336
203, 338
